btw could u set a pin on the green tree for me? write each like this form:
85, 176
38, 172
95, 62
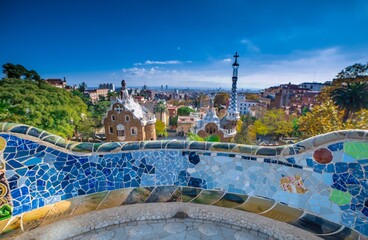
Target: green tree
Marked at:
276, 122
160, 107
82, 87
112, 94
221, 98
353, 71
173, 121
194, 137
321, 119
245, 130
185, 111
161, 129
213, 138
351, 98
41, 105
18, 71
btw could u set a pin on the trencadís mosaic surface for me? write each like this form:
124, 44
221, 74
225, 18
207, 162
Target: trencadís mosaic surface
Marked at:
319, 184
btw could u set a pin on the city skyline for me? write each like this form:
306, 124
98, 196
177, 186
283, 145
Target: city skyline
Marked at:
184, 43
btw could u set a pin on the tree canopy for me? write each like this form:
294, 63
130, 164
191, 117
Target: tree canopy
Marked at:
18, 71
354, 71
40, 105
221, 98
185, 111
351, 98
161, 129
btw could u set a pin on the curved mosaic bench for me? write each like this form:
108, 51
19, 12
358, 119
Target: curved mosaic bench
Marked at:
318, 184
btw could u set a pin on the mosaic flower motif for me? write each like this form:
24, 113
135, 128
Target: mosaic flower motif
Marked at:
293, 184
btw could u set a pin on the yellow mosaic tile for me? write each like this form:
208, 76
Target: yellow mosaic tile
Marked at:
230, 200
3, 224
34, 218
2, 144
115, 198
89, 203
283, 213
13, 225
208, 197
256, 205
138, 195
61, 210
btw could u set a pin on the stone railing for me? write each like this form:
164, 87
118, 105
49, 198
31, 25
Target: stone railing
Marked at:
318, 185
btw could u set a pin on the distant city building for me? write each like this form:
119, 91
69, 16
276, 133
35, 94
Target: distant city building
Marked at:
244, 105
290, 97
95, 94
185, 124
225, 127
313, 86
126, 120
109, 86
57, 82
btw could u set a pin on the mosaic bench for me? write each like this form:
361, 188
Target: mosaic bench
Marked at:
318, 185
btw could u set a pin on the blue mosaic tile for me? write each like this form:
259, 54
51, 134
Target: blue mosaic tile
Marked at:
336, 146
38, 175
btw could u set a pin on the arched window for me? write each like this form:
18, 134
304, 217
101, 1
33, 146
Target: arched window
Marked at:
133, 131
120, 130
113, 118
127, 118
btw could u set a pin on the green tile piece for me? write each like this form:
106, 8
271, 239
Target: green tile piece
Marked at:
8, 126
231, 200
51, 139
188, 193
138, 195
340, 197
176, 196
358, 150
161, 194
208, 197
83, 147
109, 147
2, 125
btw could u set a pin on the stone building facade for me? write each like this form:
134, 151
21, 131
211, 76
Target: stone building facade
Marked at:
126, 120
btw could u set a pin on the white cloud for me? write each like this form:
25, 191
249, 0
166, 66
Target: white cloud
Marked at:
250, 45
299, 66
170, 62
265, 71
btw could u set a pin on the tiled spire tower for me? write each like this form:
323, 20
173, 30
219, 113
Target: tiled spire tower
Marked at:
233, 114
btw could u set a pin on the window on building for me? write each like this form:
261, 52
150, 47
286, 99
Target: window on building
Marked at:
118, 109
111, 130
112, 117
120, 130
133, 131
127, 118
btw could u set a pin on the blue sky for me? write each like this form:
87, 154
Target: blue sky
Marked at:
184, 43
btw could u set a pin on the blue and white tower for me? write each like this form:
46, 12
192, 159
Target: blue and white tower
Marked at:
233, 113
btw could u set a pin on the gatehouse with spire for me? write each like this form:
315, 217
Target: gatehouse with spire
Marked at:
225, 127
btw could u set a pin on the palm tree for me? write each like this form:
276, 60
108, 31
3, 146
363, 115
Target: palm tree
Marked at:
351, 98
160, 107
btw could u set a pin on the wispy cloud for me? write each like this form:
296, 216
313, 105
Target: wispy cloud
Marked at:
265, 71
250, 45
169, 62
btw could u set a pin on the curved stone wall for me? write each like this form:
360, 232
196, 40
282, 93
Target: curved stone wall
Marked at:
318, 185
